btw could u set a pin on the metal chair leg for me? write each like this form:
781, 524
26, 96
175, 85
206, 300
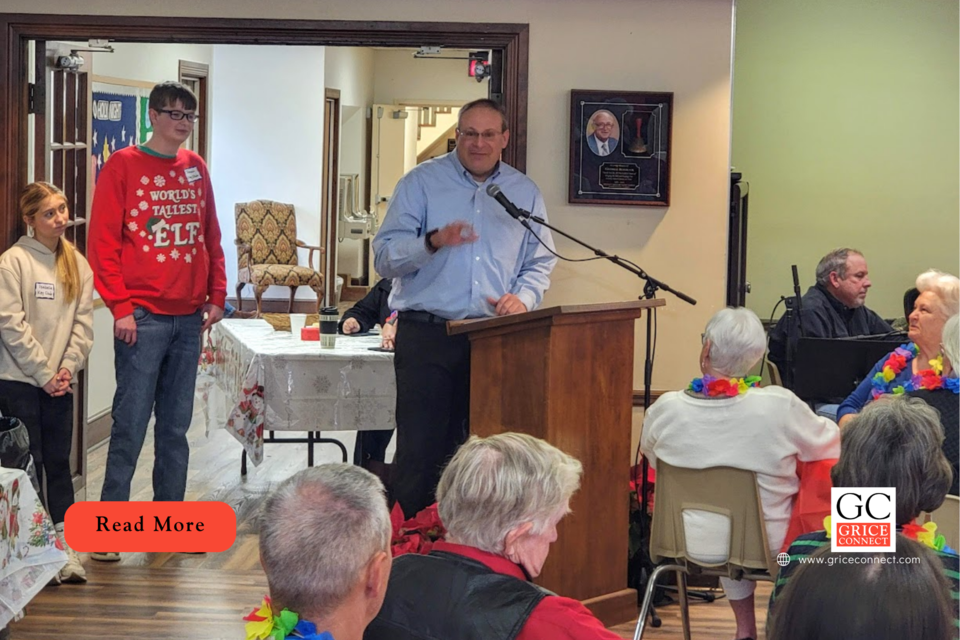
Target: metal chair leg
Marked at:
684, 604
334, 441
648, 596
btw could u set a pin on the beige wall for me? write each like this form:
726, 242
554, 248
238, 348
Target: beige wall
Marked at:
102, 381
281, 158
351, 71
682, 46
846, 126
399, 76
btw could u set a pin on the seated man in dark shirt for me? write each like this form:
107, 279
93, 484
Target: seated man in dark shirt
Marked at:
833, 308
373, 309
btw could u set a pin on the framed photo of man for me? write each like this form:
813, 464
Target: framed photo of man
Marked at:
620, 147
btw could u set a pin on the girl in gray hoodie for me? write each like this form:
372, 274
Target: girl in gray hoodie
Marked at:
46, 331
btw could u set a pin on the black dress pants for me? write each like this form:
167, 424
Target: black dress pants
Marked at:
433, 407
49, 422
371, 446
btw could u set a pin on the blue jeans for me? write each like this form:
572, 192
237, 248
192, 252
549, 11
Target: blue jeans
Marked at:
157, 374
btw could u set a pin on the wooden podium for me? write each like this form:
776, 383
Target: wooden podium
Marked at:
565, 374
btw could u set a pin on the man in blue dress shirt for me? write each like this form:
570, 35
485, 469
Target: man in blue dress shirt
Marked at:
453, 253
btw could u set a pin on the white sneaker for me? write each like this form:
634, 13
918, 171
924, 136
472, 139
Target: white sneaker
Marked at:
73, 571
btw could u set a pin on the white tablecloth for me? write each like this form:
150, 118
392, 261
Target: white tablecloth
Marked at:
274, 382
30, 554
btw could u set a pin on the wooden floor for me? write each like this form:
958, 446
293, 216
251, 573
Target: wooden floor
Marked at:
177, 596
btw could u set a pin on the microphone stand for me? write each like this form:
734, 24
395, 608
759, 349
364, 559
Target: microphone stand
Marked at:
650, 287
794, 326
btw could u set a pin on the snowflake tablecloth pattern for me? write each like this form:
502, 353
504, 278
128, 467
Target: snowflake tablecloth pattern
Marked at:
276, 383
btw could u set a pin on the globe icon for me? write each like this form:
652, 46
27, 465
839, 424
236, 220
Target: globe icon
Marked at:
783, 559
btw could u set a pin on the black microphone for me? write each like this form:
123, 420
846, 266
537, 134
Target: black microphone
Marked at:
798, 297
494, 192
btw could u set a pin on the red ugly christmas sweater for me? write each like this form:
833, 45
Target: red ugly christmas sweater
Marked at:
154, 236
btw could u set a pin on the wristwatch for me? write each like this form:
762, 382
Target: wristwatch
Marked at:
426, 239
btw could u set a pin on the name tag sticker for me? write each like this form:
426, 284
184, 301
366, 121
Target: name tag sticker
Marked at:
44, 291
192, 173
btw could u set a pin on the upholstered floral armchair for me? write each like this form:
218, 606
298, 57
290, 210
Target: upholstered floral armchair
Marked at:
267, 251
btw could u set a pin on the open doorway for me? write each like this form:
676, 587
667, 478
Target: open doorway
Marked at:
508, 43
19, 34
417, 99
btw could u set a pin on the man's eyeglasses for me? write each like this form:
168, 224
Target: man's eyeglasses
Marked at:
180, 115
473, 136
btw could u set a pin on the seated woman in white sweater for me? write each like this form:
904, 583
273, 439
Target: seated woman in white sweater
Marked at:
724, 419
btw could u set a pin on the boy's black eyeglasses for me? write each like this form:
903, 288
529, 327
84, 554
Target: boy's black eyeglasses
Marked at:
180, 115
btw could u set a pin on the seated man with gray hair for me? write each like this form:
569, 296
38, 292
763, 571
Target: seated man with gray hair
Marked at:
500, 499
832, 308
325, 547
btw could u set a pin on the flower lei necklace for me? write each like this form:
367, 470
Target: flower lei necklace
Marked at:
925, 534
898, 361
714, 387
262, 624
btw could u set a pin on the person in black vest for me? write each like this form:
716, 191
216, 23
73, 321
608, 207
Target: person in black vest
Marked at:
325, 548
833, 308
500, 499
373, 309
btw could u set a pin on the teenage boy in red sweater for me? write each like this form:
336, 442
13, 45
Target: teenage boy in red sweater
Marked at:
158, 265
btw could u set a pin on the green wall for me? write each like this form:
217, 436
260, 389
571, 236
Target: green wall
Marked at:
846, 122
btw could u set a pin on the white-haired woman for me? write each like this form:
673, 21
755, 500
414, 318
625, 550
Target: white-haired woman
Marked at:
724, 419
919, 363
944, 398
500, 499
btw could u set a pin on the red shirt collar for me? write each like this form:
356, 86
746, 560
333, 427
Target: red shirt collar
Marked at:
491, 560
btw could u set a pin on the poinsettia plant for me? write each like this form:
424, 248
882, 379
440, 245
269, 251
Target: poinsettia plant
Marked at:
417, 534
636, 482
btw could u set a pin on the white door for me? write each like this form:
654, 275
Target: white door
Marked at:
393, 152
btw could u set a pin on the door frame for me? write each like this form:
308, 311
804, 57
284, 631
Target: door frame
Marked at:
330, 206
200, 73
513, 40
67, 137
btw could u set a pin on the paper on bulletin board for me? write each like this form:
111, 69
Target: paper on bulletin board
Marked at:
119, 117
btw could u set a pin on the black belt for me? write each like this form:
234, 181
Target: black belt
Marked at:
421, 316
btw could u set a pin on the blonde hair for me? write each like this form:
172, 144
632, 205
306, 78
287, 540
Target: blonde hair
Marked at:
31, 199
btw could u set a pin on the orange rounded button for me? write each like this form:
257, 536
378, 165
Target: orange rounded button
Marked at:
150, 526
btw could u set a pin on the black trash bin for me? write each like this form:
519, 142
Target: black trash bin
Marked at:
15, 448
